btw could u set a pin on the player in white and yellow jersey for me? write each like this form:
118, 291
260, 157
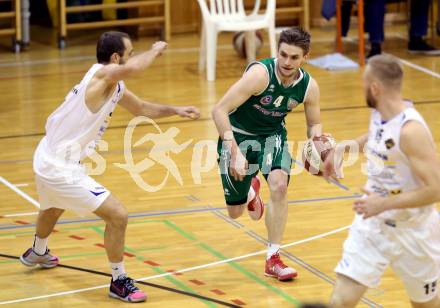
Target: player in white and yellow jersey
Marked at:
396, 222
72, 132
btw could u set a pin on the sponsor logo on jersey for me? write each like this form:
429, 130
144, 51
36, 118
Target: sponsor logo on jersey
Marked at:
390, 222
395, 191
292, 103
266, 100
269, 112
271, 88
379, 155
379, 133
389, 143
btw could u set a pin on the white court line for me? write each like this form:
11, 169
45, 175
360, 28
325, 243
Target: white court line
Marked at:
20, 192
19, 214
26, 299
420, 68
408, 63
351, 39
89, 58
21, 185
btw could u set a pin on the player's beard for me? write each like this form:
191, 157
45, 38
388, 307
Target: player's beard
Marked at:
371, 101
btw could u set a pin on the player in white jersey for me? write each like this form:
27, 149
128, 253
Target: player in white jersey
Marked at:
72, 132
396, 221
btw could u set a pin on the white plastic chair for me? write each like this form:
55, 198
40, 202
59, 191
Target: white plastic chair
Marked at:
229, 15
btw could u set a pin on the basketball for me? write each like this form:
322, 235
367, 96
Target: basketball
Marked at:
315, 152
239, 43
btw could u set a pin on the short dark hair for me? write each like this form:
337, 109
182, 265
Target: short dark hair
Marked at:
109, 43
296, 36
387, 69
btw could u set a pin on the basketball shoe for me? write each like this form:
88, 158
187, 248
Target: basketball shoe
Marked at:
256, 205
124, 289
277, 269
31, 258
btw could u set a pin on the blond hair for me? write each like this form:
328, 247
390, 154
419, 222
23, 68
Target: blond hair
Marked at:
387, 70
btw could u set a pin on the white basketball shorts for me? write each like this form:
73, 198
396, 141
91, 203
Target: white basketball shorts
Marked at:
413, 254
82, 195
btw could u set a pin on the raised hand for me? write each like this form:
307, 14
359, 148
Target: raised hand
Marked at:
159, 47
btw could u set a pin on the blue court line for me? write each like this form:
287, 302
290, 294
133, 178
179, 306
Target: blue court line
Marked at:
340, 185
355, 196
73, 221
173, 212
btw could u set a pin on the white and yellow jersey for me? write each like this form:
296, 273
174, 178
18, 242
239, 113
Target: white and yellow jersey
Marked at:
72, 130
388, 168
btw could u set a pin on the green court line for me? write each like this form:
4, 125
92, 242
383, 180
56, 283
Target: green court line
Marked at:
176, 282
8, 262
157, 269
173, 226
77, 228
234, 264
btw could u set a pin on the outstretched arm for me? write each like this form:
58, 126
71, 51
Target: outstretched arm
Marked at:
312, 110
105, 79
139, 107
112, 73
332, 168
361, 141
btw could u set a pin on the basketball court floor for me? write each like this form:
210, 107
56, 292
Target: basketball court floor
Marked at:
180, 243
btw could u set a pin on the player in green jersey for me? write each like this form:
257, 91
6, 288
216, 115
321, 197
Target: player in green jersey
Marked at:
253, 137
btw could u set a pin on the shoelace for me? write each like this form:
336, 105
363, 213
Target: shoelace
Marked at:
277, 260
129, 284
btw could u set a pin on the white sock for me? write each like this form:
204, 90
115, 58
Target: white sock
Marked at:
40, 245
272, 249
251, 194
118, 269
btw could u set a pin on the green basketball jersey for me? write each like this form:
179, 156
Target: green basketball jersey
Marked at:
264, 114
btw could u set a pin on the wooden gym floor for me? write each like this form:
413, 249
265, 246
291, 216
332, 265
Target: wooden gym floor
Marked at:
184, 227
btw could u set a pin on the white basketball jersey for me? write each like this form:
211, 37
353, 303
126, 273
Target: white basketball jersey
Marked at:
388, 167
72, 130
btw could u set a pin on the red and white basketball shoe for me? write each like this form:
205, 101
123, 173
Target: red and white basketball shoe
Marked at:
277, 269
256, 205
